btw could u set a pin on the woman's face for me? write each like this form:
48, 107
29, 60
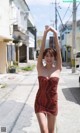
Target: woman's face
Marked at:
49, 59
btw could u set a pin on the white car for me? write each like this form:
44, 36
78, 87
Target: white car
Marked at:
77, 59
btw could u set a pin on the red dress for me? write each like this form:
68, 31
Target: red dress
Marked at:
46, 98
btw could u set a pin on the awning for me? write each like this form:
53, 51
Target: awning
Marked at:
20, 37
5, 38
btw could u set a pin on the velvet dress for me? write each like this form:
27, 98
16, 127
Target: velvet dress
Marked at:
47, 97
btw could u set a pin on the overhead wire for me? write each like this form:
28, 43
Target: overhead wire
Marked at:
64, 14
66, 11
60, 18
72, 14
78, 4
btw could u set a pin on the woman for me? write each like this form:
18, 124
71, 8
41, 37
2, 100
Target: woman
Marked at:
46, 107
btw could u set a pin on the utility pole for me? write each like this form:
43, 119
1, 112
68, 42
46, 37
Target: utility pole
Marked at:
74, 37
51, 40
56, 14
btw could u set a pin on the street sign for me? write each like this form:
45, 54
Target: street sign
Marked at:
71, 0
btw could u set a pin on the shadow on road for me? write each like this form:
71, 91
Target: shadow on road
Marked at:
72, 94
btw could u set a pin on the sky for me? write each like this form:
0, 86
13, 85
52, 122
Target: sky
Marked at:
43, 12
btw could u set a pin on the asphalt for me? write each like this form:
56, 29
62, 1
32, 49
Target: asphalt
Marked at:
17, 98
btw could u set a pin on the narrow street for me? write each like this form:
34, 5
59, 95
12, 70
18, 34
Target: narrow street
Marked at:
17, 103
27, 28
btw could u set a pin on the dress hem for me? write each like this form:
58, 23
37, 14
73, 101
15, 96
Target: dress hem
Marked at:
45, 112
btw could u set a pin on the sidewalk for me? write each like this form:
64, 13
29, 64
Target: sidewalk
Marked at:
14, 78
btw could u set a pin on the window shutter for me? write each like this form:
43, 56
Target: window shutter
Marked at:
8, 52
13, 52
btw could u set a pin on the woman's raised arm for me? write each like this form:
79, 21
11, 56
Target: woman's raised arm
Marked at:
40, 57
58, 58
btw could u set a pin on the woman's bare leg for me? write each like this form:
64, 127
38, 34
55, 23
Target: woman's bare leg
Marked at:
51, 123
42, 122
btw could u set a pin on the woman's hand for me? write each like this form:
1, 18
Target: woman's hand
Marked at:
53, 30
49, 28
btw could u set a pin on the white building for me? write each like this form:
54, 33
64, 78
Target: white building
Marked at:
66, 40
15, 24
22, 23
5, 36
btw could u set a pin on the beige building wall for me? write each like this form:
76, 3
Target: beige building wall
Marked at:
3, 60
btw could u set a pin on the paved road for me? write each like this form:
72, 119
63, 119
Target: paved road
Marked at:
68, 120
17, 103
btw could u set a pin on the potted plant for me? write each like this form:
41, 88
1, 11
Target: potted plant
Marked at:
12, 69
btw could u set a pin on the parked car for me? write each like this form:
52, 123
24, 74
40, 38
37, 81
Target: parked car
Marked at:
77, 59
